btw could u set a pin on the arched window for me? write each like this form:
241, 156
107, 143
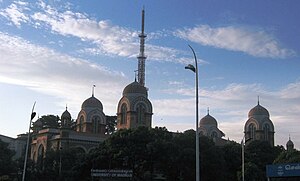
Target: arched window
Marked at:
141, 113
214, 135
96, 122
252, 130
266, 131
41, 151
123, 114
81, 123
40, 156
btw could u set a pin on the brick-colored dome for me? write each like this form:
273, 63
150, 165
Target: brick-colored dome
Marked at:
135, 88
258, 111
92, 102
208, 120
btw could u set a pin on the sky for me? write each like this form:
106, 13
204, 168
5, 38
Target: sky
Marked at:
53, 52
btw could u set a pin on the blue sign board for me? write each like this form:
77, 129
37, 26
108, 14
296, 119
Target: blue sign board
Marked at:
284, 170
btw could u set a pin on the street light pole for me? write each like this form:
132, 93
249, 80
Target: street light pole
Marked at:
195, 70
243, 160
27, 144
60, 148
243, 156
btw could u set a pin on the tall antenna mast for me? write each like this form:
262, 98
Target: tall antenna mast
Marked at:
142, 57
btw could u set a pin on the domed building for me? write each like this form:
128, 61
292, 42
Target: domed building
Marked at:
91, 118
259, 126
209, 127
66, 119
86, 134
134, 108
91, 126
289, 145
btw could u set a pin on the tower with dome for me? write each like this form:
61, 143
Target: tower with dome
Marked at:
209, 127
134, 108
259, 125
91, 118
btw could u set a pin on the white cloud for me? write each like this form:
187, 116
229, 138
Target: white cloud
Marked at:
292, 91
256, 43
230, 106
109, 39
56, 74
175, 83
173, 107
15, 13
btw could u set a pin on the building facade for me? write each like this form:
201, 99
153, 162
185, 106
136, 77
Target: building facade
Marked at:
209, 127
134, 108
83, 135
259, 126
16, 144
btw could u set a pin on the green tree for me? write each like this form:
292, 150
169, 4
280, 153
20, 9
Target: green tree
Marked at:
258, 154
232, 155
291, 156
48, 168
111, 122
49, 121
211, 160
7, 165
151, 151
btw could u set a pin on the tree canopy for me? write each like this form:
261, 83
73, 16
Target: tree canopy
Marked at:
150, 153
7, 165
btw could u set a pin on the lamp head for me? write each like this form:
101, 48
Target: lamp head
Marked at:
33, 115
190, 67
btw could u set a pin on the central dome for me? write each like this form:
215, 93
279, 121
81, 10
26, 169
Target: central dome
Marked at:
258, 111
134, 88
92, 102
208, 120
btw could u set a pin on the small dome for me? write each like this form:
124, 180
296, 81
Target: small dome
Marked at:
258, 110
133, 88
66, 114
208, 120
92, 102
290, 143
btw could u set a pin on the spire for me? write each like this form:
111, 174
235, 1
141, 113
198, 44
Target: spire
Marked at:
93, 90
135, 75
257, 100
142, 57
66, 107
207, 110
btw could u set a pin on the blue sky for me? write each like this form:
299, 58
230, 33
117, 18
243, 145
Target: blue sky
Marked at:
52, 52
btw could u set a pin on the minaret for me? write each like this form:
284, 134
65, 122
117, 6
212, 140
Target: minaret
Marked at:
142, 57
